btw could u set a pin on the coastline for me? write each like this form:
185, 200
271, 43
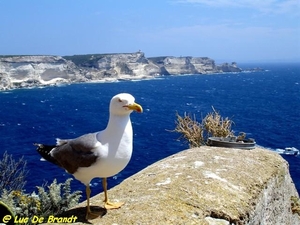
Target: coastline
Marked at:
57, 82
33, 71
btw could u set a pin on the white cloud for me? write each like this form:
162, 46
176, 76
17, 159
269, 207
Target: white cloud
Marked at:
265, 6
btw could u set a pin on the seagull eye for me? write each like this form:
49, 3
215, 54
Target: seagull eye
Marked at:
120, 100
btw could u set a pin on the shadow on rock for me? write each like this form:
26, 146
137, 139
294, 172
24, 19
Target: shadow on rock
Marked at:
80, 213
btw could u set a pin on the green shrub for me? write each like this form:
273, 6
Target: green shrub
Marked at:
51, 200
48, 201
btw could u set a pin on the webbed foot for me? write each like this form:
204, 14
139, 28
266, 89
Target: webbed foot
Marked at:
113, 205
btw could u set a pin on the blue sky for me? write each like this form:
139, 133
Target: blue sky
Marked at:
224, 30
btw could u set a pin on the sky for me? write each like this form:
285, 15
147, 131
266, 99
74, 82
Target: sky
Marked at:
224, 30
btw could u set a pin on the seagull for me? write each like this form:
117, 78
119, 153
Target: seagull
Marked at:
101, 154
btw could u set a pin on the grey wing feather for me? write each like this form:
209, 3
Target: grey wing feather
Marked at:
85, 143
74, 153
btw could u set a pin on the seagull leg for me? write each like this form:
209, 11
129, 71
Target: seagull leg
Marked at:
108, 204
89, 213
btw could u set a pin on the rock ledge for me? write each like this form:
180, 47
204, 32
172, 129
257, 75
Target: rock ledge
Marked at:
207, 185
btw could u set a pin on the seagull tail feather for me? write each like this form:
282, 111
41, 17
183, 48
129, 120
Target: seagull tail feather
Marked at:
44, 151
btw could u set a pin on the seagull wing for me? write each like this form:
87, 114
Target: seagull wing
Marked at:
72, 153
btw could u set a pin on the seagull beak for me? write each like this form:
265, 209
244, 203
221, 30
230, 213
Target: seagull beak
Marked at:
135, 107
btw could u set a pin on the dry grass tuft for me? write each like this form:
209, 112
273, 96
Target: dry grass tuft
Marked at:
217, 126
196, 133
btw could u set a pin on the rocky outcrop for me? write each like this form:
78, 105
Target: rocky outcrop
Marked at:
122, 66
226, 67
185, 65
31, 71
28, 71
206, 185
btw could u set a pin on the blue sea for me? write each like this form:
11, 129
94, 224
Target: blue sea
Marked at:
265, 105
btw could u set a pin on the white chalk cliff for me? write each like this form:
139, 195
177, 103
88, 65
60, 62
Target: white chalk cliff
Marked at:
32, 71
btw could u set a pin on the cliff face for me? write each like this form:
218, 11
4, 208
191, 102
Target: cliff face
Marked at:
29, 71
185, 65
130, 65
207, 185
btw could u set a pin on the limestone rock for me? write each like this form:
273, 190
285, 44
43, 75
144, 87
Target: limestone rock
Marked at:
204, 65
32, 71
29, 71
206, 185
185, 65
133, 64
181, 65
226, 67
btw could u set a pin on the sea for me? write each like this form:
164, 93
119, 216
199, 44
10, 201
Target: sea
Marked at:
263, 104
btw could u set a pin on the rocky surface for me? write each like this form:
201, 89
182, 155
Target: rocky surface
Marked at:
28, 71
32, 71
207, 185
186, 65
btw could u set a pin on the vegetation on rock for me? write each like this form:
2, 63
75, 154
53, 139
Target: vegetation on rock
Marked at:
87, 60
51, 200
12, 173
196, 133
295, 205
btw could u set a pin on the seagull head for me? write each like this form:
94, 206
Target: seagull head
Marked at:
124, 104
